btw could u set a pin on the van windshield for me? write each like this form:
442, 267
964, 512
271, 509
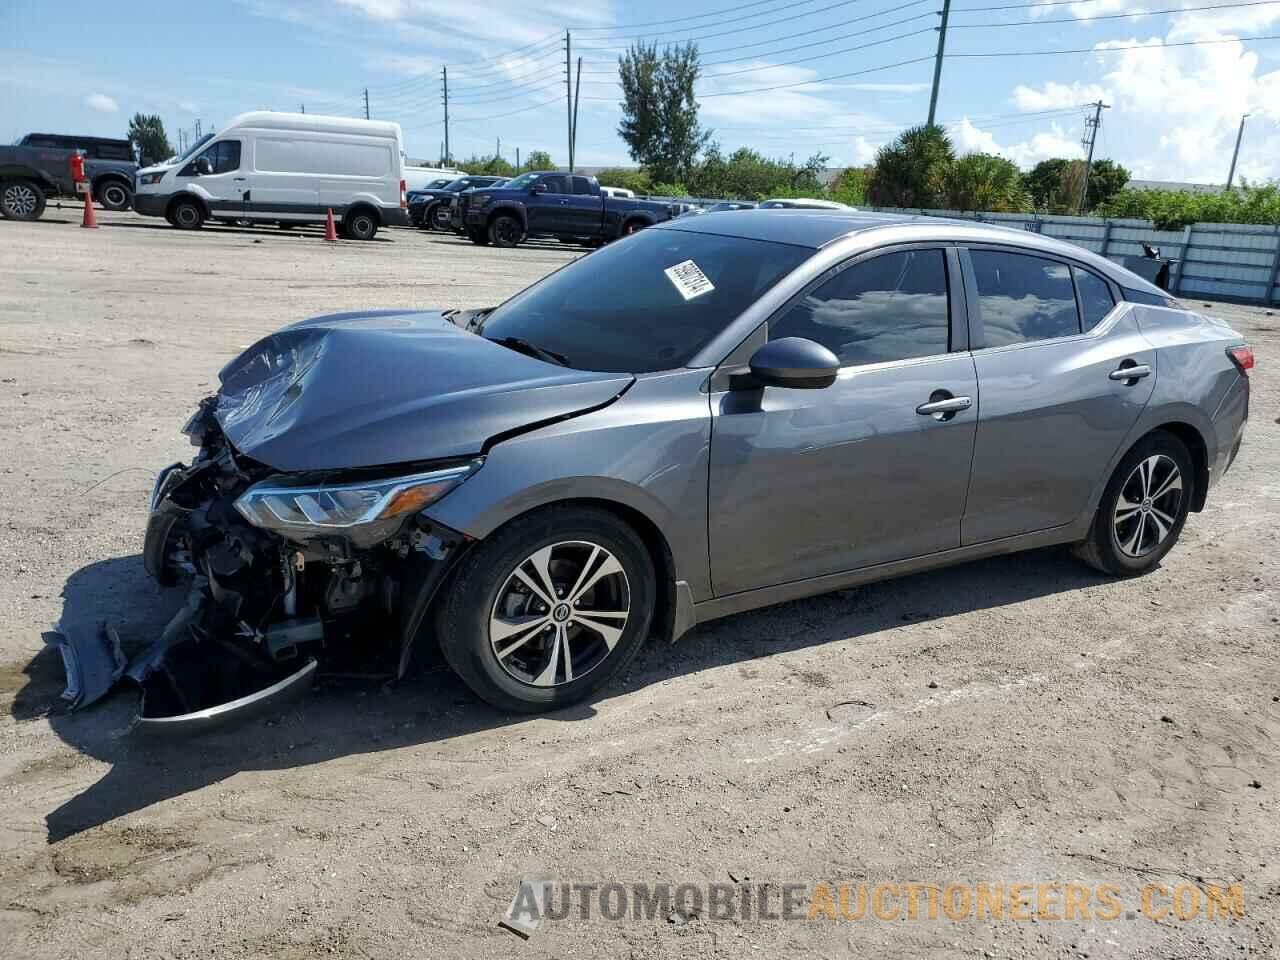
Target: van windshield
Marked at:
193, 148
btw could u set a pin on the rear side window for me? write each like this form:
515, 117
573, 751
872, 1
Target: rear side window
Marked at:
892, 307
582, 186
1023, 298
1095, 297
556, 184
111, 151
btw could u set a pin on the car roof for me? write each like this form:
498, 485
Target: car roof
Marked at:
817, 229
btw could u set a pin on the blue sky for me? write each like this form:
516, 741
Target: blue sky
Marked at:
86, 67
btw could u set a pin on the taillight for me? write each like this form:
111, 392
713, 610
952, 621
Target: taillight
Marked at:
404, 200
1242, 357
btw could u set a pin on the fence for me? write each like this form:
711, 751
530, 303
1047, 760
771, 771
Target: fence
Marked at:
1233, 261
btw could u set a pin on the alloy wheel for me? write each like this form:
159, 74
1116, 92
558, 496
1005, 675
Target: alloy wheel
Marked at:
20, 200
560, 613
1148, 506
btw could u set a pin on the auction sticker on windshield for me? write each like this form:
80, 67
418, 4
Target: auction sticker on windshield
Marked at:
689, 279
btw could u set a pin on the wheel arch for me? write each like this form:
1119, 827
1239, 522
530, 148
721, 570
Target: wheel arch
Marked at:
1196, 445
509, 211
185, 195
363, 206
635, 220
103, 179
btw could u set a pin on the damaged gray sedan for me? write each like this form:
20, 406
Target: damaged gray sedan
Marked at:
710, 416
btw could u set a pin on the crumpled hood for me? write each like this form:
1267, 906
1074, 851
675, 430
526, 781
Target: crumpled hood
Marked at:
384, 387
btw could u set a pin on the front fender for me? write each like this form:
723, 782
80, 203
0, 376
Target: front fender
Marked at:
647, 452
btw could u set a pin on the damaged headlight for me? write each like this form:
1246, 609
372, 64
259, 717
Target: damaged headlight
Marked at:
318, 510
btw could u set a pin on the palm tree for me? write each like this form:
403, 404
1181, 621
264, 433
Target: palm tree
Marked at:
911, 171
984, 181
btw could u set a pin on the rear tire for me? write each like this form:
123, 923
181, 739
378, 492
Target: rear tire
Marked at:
1143, 509
525, 655
186, 215
360, 225
505, 231
114, 195
21, 200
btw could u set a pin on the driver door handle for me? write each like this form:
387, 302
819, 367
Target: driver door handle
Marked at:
1135, 372
949, 405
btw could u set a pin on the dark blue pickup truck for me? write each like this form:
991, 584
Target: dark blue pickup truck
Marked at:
549, 204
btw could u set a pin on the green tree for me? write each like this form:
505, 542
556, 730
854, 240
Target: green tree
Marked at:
747, 174
659, 110
146, 133
538, 160
1174, 209
1106, 179
635, 180
984, 181
1045, 183
493, 166
850, 186
910, 172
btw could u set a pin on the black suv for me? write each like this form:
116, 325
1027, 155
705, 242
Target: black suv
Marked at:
426, 206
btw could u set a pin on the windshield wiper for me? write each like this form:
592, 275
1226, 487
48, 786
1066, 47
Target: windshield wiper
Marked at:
532, 350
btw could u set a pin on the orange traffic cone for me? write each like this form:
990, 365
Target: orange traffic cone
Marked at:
330, 233
89, 219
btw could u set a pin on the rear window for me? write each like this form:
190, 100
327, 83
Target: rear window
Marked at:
1023, 298
646, 303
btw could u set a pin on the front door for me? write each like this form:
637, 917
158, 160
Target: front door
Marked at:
871, 469
548, 210
216, 176
1050, 347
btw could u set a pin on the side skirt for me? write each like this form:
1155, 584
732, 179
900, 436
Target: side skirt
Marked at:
798, 589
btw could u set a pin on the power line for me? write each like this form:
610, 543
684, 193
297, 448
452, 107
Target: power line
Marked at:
1116, 16
820, 56
1136, 46
535, 106
697, 16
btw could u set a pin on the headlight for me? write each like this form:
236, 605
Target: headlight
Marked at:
297, 511
481, 199
149, 178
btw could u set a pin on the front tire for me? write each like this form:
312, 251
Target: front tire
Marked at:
505, 231
21, 200
1143, 508
478, 237
549, 609
186, 215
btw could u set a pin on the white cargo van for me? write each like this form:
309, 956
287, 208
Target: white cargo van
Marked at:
284, 168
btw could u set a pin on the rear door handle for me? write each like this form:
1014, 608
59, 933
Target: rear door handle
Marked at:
1135, 372
941, 408
241, 179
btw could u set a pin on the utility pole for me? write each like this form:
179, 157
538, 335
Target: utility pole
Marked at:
366, 103
568, 94
497, 150
517, 159
302, 107
937, 63
1236, 154
444, 74
573, 140
1091, 125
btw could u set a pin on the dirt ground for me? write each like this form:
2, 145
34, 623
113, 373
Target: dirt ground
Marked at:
1017, 720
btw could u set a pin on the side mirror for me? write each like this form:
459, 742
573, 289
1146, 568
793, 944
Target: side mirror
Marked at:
538, 188
794, 362
204, 167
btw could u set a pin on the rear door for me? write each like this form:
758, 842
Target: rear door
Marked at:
1049, 345
871, 469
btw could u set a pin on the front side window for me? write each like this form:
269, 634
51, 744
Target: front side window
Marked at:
646, 303
223, 156
1095, 297
891, 307
1023, 298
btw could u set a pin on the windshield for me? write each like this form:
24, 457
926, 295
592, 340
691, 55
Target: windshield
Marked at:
437, 184
646, 303
522, 182
192, 149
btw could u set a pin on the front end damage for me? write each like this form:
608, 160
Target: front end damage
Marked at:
287, 578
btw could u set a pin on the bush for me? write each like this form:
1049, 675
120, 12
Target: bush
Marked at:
1175, 209
635, 180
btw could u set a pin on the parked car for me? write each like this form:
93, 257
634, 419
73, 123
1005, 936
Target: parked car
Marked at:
713, 415
414, 198
426, 208
802, 203
285, 168
622, 193
29, 176
427, 178
550, 204
109, 165
724, 205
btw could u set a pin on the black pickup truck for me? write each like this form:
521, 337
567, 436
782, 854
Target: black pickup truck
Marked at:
109, 164
549, 204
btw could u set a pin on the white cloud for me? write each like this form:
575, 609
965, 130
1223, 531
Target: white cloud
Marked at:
1045, 145
1052, 96
188, 106
101, 103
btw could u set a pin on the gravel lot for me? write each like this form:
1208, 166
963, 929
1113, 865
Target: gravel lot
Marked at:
1017, 720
